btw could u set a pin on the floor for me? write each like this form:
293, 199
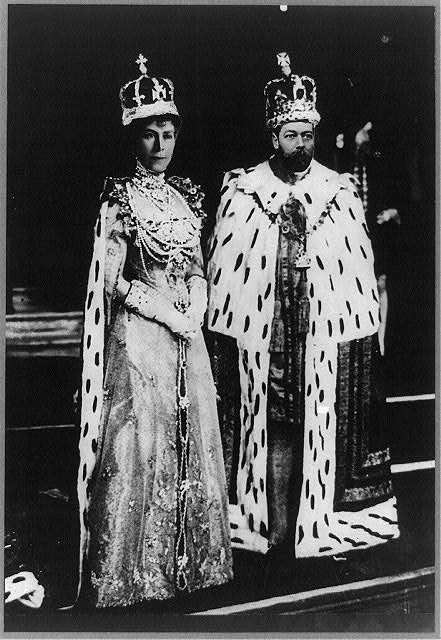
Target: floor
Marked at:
41, 536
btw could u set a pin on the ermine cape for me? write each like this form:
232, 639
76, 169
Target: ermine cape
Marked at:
337, 512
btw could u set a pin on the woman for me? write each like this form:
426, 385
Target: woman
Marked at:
151, 483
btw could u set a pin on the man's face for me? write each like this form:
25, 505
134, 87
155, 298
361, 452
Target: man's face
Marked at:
295, 143
156, 144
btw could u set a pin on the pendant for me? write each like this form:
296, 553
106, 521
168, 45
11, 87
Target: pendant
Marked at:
302, 260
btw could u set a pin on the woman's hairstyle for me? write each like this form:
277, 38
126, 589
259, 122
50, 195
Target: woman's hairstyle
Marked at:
133, 130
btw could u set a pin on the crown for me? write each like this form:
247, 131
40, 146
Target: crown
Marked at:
146, 96
290, 97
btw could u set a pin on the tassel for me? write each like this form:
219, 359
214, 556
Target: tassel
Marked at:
301, 315
181, 557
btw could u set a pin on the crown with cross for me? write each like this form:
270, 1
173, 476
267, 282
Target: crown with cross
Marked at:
146, 96
290, 97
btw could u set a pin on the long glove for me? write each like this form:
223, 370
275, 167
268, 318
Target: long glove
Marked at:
197, 287
151, 304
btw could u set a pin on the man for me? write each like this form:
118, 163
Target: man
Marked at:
291, 279
377, 192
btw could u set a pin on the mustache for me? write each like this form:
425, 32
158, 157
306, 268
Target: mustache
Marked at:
301, 153
296, 160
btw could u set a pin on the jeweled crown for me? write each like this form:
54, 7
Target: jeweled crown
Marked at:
147, 96
290, 97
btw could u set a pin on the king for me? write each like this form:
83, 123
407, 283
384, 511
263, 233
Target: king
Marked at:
293, 295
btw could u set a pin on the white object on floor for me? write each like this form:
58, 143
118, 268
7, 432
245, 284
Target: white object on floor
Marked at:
25, 588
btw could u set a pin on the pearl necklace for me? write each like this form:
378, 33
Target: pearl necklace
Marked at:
152, 186
159, 240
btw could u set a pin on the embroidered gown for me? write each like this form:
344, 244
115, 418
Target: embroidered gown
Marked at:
139, 540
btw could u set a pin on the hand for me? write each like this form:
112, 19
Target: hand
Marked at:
198, 301
362, 136
151, 304
195, 318
388, 214
189, 335
182, 326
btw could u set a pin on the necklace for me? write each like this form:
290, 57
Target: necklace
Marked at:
286, 224
165, 241
152, 186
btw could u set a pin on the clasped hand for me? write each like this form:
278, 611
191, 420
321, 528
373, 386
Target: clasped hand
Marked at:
185, 327
193, 319
190, 322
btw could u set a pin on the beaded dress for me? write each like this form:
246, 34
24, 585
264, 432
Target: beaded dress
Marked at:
156, 510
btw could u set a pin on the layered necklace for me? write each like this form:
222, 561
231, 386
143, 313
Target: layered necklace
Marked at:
169, 239
153, 187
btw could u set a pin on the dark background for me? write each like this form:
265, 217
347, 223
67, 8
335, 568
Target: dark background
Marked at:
65, 67
67, 63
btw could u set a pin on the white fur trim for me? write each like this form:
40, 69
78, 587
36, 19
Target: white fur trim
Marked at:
159, 108
344, 306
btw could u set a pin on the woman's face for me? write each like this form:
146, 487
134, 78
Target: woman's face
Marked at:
155, 144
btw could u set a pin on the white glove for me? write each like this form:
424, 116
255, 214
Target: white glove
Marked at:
197, 287
388, 214
362, 136
149, 303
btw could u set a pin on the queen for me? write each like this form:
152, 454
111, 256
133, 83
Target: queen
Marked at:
151, 483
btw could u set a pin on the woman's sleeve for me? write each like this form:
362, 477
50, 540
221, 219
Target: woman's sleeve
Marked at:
196, 267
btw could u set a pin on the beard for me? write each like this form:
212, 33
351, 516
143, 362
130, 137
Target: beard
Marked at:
296, 162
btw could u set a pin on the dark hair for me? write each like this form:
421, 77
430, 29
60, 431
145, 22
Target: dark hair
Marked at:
134, 129
168, 117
